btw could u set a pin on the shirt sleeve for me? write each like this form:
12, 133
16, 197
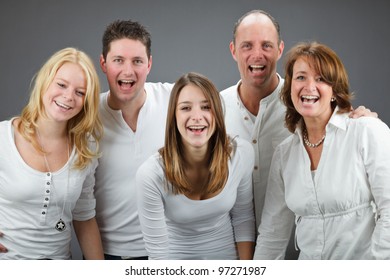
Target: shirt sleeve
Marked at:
277, 219
85, 205
242, 213
375, 151
151, 210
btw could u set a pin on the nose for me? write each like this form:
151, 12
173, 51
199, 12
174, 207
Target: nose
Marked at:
128, 69
68, 93
310, 86
258, 51
197, 114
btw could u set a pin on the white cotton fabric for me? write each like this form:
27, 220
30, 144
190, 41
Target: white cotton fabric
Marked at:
30, 207
336, 212
265, 134
176, 227
123, 151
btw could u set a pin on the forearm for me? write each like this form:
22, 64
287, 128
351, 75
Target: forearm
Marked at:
245, 250
88, 235
2, 248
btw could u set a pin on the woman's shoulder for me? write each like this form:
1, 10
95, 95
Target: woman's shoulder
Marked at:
152, 165
367, 124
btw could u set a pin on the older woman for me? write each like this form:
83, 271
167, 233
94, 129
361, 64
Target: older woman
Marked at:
332, 174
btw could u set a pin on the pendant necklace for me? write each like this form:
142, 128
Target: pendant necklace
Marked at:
60, 225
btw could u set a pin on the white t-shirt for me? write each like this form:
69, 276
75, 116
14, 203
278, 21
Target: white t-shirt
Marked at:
335, 212
176, 227
31, 203
123, 151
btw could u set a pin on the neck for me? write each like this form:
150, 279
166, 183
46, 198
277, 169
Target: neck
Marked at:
196, 158
130, 109
251, 95
135, 102
314, 132
52, 130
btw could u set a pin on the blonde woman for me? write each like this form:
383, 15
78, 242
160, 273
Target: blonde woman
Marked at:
48, 155
195, 195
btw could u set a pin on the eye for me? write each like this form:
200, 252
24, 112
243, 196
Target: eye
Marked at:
61, 85
246, 46
118, 60
80, 93
138, 61
185, 108
206, 107
300, 78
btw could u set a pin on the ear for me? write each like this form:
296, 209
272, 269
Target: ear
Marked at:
233, 50
280, 49
150, 64
102, 63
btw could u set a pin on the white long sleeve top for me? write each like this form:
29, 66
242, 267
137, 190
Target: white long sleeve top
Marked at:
176, 227
123, 151
343, 211
265, 133
31, 203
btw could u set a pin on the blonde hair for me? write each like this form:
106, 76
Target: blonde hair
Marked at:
82, 128
219, 147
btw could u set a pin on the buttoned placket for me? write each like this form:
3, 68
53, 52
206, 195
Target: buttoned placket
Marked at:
46, 197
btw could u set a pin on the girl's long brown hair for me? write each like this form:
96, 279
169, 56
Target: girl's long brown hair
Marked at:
219, 146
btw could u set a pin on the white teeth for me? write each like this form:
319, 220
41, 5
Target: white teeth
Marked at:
196, 127
257, 66
127, 81
309, 97
62, 105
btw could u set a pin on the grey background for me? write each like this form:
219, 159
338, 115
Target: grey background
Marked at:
193, 36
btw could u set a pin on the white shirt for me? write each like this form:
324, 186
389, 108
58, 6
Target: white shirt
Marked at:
123, 151
176, 227
334, 212
31, 203
265, 134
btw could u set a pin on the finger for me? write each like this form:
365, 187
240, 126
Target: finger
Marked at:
3, 249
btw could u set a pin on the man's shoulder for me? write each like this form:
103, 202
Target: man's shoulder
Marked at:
158, 87
230, 91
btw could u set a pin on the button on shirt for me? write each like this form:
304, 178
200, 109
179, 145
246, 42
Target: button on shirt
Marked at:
265, 133
32, 202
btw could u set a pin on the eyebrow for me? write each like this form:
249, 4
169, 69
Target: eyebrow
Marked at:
67, 82
190, 102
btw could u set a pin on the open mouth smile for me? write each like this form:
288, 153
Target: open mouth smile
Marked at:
62, 105
256, 68
309, 99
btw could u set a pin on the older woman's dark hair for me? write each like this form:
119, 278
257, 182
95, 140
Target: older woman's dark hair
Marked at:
328, 65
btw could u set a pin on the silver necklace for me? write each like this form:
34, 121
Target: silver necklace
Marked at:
60, 225
308, 143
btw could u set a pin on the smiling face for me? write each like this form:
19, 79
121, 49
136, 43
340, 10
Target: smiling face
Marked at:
310, 94
257, 50
194, 118
65, 95
127, 66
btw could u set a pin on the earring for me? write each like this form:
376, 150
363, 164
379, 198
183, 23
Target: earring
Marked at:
332, 99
